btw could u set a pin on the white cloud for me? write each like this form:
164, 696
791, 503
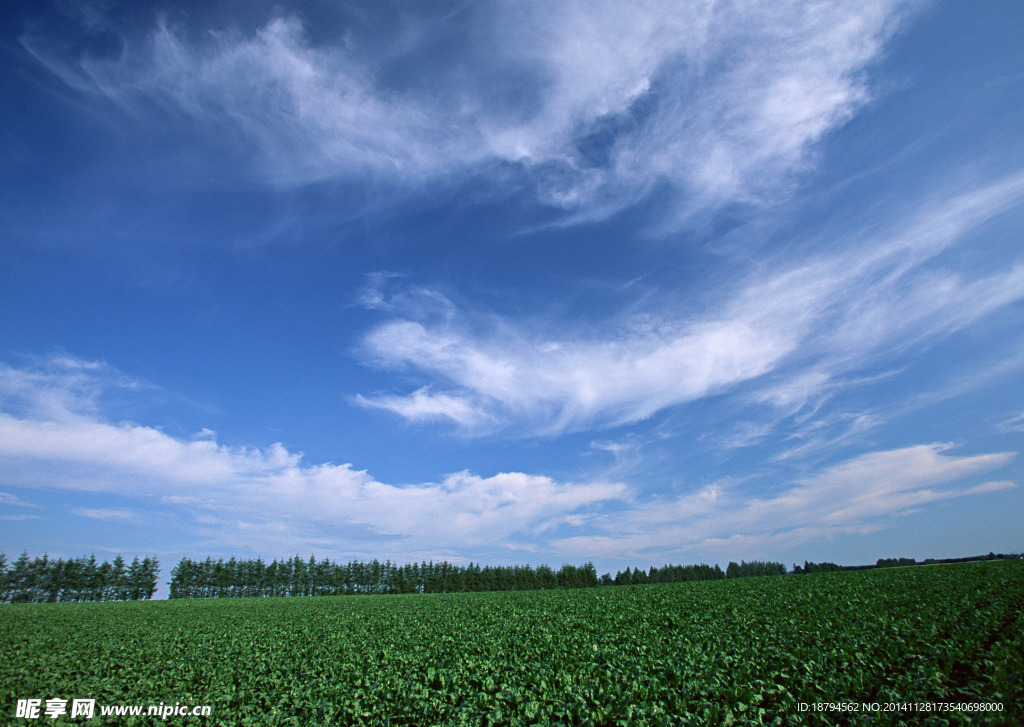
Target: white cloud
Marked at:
995, 486
6, 498
105, 514
73, 451
117, 457
744, 434
828, 434
568, 384
806, 389
893, 291
271, 496
1014, 424
853, 496
594, 102
739, 94
423, 405
60, 385
806, 321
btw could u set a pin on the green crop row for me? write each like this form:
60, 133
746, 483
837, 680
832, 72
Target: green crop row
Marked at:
746, 651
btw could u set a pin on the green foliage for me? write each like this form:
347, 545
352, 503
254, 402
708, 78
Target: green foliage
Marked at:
295, 577
809, 567
43, 580
743, 569
721, 652
894, 562
666, 574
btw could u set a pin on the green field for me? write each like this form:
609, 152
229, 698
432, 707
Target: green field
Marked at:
743, 651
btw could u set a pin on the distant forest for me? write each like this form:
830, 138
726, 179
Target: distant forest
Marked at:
44, 580
297, 577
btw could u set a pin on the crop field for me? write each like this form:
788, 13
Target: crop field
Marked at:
787, 650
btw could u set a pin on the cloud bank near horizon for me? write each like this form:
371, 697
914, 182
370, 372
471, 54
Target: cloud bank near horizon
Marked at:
271, 499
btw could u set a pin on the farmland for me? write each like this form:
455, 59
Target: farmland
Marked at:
743, 651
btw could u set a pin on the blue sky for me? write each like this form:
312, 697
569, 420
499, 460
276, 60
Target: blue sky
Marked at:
517, 282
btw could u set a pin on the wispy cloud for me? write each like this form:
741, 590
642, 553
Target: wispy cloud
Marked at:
1013, 424
248, 495
557, 385
6, 498
69, 450
590, 104
105, 514
805, 321
60, 385
424, 406
856, 495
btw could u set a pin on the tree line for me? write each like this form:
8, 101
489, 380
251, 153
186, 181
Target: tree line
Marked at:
743, 569
900, 562
665, 574
247, 578
825, 567
44, 580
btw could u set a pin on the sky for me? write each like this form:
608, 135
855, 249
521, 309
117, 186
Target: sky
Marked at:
512, 282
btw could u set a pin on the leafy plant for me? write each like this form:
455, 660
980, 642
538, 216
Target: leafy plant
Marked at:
735, 651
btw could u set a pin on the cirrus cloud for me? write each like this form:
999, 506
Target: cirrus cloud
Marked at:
591, 105
805, 320
857, 495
